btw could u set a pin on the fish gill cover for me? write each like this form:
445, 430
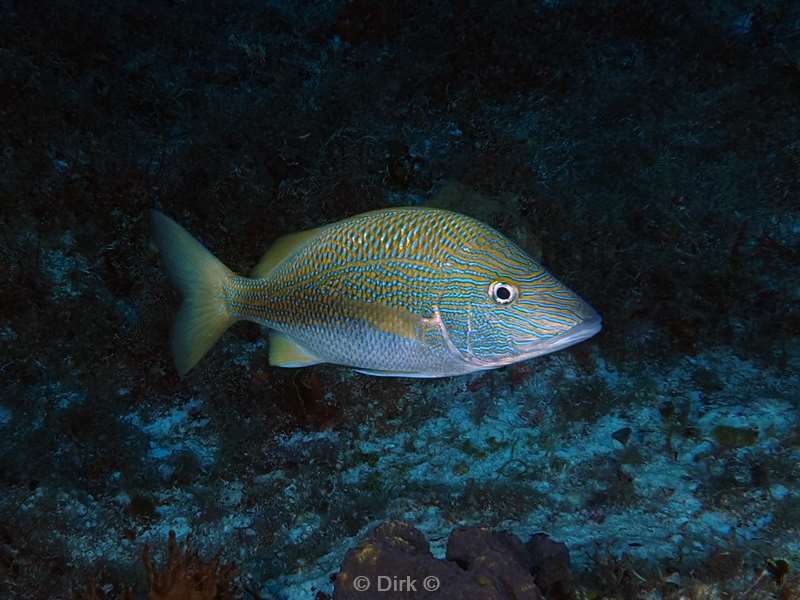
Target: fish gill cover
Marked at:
646, 152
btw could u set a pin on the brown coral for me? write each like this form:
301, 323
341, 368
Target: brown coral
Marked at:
791, 589
185, 576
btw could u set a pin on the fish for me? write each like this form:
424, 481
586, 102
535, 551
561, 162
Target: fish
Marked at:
402, 291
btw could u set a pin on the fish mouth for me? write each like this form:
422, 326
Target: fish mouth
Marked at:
530, 348
527, 348
590, 326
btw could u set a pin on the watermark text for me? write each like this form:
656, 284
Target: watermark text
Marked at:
393, 583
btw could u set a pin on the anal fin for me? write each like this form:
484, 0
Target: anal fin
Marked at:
285, 352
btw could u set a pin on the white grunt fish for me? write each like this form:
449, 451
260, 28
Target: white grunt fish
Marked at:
407, 292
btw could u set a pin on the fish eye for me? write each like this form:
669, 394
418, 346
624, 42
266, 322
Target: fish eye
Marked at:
502, 293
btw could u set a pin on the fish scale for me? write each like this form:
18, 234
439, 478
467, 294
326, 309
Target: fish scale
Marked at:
398, 291
388, 258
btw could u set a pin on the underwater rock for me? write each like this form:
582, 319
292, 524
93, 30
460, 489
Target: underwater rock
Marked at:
622, 435
395, 555
395, 561
498, 559
551, 565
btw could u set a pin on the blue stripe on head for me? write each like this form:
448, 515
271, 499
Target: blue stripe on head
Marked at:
492, 331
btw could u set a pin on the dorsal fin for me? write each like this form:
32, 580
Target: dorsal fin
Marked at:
281, 248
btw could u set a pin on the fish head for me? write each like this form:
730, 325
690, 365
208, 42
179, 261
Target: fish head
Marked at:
498, 306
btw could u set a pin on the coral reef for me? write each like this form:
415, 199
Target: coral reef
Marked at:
646, 150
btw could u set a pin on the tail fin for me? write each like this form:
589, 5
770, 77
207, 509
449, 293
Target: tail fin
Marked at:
199, 276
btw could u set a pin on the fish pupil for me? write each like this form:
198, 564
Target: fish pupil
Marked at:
503, 293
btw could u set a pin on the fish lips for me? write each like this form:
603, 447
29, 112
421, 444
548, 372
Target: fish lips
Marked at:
590, 326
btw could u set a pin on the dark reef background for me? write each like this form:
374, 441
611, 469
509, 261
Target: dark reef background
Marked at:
647, 150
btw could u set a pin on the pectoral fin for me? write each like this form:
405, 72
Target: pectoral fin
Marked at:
285, 352
387, 319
